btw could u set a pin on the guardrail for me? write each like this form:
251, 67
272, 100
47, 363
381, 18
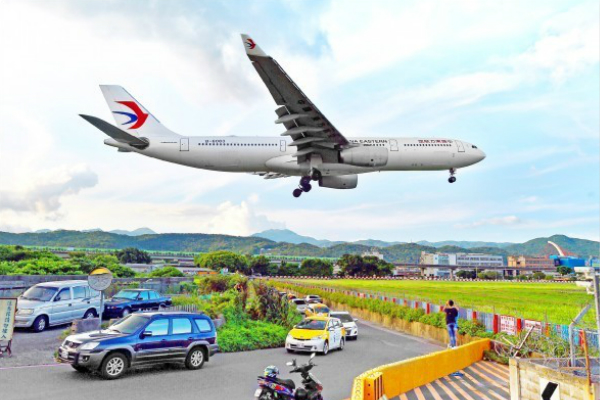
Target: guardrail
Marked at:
394, 379
494, 323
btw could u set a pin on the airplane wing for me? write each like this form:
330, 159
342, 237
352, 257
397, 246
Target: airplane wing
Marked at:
118, 134
311, 131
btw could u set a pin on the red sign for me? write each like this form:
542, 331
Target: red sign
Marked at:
537, 326
508, 325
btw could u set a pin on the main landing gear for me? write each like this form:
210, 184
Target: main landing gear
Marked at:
452, 178
305, 185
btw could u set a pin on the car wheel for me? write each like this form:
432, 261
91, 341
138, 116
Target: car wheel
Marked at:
195, 358
325, 348
162, 307
79, 368
40, 324
126, 311
113, 366
342, 343
89, 314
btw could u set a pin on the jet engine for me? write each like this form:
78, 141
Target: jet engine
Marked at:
339, 182
365, 156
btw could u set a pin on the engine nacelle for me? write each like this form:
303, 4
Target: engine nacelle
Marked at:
339, 182
365, 156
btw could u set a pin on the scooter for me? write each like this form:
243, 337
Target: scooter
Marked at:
285, 389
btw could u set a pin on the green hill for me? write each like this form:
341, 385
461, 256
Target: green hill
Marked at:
198, 242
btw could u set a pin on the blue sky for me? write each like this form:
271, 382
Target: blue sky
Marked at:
518, 79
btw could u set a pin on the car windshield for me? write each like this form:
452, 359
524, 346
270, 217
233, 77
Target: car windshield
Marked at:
312, 324
343, 317
126, 294
129, 324
321, 309
41, 293
299, 302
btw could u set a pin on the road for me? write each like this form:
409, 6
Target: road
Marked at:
226, 376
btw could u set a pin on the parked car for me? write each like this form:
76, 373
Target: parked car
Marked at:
300, 305
131, 300
313, 298
316, 334
56, 303
348, 322
142, 339
317, 309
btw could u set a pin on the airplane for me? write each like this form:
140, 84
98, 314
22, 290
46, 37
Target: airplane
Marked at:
311, 147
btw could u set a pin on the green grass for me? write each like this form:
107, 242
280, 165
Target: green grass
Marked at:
560, 302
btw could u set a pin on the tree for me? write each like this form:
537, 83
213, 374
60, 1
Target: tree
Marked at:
561, 269
166, 272
288, 269
465, 274
316, 267
262, 265
355, 265
131, 255
538, 276
217, 260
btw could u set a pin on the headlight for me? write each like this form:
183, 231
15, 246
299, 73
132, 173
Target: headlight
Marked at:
89, 345
25, 311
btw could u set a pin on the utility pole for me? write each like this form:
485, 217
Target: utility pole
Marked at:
597, 301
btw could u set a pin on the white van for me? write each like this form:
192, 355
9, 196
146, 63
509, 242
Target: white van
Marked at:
56, 303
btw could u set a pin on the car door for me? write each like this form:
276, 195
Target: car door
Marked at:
81, 301
153, 299
157, 347
143, 301
182, 336
334, 335
62, 307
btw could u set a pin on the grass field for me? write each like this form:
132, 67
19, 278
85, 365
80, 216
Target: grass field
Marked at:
559, 302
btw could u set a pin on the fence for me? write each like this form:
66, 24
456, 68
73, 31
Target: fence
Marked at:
494, 323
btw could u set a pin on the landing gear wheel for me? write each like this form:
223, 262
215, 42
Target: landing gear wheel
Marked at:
452, 179
306, 188
297, 192
305, 180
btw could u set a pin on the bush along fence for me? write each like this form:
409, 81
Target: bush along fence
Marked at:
472, 322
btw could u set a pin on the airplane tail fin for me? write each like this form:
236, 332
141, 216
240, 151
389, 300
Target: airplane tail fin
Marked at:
130, 115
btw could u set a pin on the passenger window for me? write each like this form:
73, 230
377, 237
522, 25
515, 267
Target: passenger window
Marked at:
63, 295
203, 325
153, 295
79, 292
143, 296
159, 327
181, 325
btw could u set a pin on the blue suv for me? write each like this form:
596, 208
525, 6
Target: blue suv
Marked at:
142, 339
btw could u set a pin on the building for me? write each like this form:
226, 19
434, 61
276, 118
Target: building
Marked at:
470, 260
530, 262
373, 253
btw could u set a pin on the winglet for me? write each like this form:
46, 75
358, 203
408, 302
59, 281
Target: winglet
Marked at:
252, 49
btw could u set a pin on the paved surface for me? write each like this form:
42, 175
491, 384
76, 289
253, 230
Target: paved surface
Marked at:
226, 376
32, 348
483, 380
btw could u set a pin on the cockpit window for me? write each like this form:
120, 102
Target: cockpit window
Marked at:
473, 146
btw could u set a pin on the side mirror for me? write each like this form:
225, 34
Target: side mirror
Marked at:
331, 329
355, 319
57, 298
312, 355
146, 334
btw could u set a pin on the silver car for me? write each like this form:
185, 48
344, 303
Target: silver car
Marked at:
56, 303
300, 305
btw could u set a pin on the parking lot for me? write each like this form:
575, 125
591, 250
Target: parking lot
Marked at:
226, 376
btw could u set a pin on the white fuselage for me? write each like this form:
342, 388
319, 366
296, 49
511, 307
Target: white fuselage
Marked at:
273, 154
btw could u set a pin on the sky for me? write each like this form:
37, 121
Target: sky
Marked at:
518, 79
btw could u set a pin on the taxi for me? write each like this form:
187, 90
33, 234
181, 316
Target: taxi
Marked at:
316, 334
318, 309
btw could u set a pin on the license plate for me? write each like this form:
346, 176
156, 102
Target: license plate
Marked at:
300, 345
258, 392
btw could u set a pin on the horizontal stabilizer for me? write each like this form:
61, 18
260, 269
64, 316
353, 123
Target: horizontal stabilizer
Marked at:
116, 133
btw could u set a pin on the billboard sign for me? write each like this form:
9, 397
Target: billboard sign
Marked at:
508, 325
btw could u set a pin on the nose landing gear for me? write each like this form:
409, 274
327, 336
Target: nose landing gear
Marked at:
452, 178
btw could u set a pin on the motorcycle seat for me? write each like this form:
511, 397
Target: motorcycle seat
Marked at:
287, 383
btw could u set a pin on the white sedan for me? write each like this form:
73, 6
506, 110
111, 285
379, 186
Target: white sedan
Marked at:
348, 322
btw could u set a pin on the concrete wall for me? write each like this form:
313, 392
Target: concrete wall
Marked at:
525, 379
